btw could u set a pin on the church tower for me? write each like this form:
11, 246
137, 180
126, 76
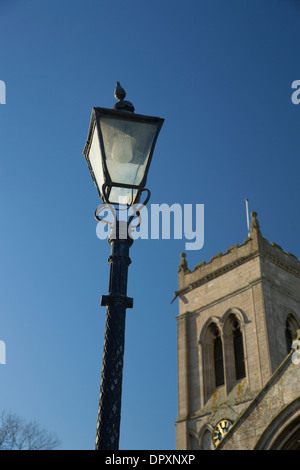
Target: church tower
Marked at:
238, 315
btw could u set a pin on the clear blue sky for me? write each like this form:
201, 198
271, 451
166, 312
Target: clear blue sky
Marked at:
220, 73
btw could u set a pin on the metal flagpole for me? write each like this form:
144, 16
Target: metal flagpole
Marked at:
247, 213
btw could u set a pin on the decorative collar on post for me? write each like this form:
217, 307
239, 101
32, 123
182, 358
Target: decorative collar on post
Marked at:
120, 94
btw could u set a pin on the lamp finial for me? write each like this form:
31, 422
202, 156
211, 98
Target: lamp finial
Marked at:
122, 105
120, 93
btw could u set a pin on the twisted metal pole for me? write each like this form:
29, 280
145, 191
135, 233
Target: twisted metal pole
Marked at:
116, 302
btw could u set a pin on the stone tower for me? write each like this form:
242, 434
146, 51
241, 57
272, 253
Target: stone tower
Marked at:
238, 315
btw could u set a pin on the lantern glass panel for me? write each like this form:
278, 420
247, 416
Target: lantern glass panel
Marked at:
95, 159
127, 147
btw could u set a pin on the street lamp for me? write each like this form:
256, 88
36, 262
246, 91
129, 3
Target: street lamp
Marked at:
118, 152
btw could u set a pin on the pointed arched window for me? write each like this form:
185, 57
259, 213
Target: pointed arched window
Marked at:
218, 359
213, 365
235, 362
238, 349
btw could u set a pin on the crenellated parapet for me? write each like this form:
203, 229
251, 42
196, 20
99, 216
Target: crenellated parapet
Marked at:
253, 245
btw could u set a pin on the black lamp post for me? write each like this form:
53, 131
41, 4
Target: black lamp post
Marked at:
118, 152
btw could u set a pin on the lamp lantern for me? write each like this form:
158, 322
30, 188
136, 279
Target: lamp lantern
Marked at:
119, 150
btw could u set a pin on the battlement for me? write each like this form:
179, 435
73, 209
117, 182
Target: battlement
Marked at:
253, 246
